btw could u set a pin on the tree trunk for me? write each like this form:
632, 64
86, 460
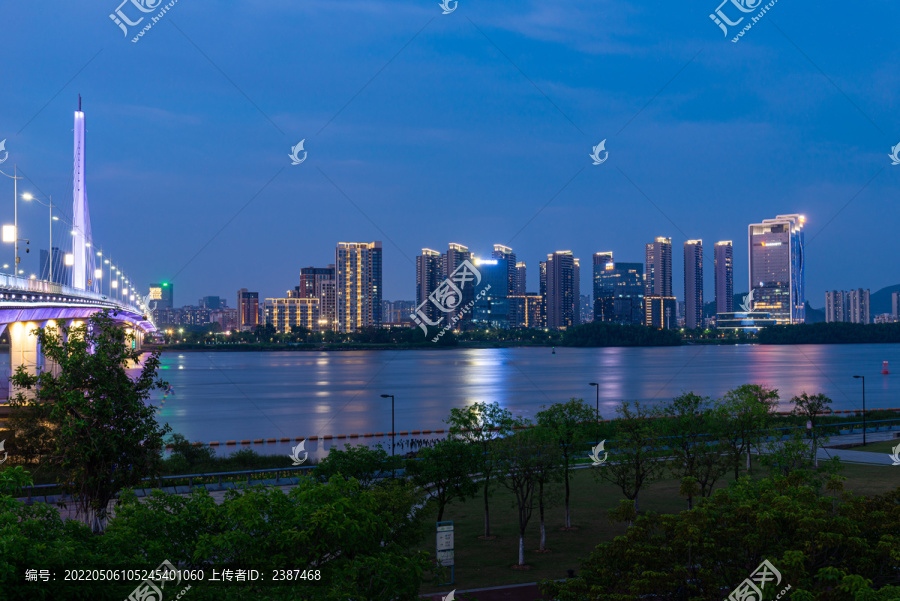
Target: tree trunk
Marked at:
748, 457
541, 510
487, 511
522, 549
690, 503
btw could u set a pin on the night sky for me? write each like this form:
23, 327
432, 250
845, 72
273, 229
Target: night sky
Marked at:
472, 127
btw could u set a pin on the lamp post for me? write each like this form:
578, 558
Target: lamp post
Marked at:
49, 205
15, 177
393, 431
597, 386
864, 407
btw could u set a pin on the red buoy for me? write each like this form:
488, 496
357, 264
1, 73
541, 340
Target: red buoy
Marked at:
884, 368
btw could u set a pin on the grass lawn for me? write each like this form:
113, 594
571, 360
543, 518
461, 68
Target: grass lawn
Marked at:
484, 563
884, 446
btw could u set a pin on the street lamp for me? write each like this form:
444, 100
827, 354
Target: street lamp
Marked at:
49, 205
393, 431
15, 177
864, 407
595, 384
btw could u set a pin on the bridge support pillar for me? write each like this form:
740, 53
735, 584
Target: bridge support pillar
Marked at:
48, 364
23, 350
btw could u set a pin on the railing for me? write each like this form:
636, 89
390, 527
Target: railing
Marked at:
13, 282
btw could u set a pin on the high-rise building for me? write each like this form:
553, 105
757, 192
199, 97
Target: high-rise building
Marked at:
248, 309
162, 294
491, 298
562, 290
777, 268
618, 291
661, 311
453, 258
858, 306
429, 275
358, 285
287, 315
693, 284
836, 306
542, 290
895, 305
658, 280
603, 299
520, 278
576, 291
397, 312
508, 257
61, 273
724, 259
211, 302
312, 278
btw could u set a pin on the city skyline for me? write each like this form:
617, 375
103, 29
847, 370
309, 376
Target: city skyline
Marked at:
389, 166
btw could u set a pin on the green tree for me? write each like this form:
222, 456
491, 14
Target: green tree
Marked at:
634, 452
519, 466
548, 477
106, 436
746, 412
445, 472
812, 407
568, 423
690, 428
482, 424
363, 463
14, 479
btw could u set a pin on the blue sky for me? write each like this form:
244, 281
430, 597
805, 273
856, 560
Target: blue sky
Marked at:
473, 122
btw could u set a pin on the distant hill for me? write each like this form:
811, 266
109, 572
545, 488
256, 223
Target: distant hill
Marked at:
814, 315
880, 302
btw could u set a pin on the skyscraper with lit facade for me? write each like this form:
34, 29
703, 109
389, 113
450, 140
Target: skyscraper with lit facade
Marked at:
777, 268
724, 266
562, 287
429, 275
693, 284
357, 284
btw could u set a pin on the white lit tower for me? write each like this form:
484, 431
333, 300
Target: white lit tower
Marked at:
83, 255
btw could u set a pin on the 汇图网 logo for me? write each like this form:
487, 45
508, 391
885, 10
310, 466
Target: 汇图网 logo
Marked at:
449, 6
6, 154
448, 296
295, 153
1, 450
894, 152
595, 454
295, 453
601, 147
895, 456
747, 305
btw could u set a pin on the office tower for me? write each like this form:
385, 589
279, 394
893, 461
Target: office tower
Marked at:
491, 308
619, 291
312, 278
429, 275
288, 315
358, 285
836, 306
602, 298
397, 312
162, 294
895, 305
506, 254
248, 309
561, 290
693, 284
453, 258
520, 279
211, 302
661, 311
858, 306
777, 268
60, 272
724, 265
576, 292
542, 291
659, 268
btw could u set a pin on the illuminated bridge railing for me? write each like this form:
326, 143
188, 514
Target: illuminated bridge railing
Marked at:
14, 288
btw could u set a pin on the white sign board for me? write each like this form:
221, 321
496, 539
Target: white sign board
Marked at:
445, 558
445, 541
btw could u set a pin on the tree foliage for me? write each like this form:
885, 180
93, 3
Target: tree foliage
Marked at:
363, 463
445, 471
104, 432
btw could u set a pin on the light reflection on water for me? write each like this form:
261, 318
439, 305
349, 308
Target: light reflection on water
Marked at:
233, 396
